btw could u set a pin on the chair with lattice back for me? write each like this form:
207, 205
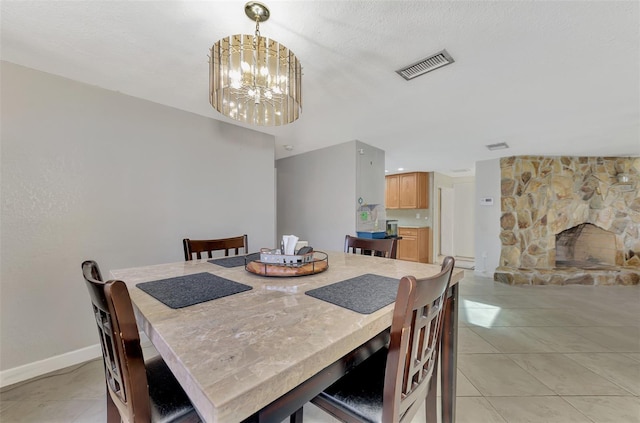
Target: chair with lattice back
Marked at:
136, 391
199, 246
391, 385
372, 247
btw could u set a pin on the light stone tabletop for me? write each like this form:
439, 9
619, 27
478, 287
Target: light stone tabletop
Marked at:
234, 355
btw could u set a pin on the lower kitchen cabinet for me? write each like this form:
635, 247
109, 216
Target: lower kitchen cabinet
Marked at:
415, 244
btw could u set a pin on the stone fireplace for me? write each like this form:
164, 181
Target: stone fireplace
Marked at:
568, 220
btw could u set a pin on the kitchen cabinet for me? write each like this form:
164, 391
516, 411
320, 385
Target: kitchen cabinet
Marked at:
392, 192
407, 191
415, 244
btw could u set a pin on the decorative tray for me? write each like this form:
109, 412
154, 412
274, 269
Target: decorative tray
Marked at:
310, 264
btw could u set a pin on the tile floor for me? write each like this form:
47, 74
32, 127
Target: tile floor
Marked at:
526, 354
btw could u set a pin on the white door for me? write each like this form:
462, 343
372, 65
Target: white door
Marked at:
446, 222
464, 217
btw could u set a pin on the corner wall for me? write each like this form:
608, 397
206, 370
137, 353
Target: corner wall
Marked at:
317, 196
487, 217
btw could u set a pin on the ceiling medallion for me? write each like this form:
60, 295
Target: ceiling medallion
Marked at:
255, 79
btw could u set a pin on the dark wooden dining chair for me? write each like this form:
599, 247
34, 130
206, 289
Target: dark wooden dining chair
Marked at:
136, 391
198, 246
390, 385
372, 247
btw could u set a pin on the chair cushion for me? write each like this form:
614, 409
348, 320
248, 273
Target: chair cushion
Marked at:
359, 392
169, 403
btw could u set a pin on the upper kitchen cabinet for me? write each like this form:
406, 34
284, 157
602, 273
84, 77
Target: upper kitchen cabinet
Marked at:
407, 191
392, 192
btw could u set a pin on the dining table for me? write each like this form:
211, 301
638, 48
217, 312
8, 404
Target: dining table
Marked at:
263, 351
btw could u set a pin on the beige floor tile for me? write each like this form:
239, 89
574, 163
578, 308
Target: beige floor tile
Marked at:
617, 339
44, 411
603, 315
497, 375
511, 340
533, 298
475, 410
563, 339
470, 342
476, 301
488, 288
506, 317
570, 317
524, 317
635, 356
6, 404
501, 301
80, 382
484, 317
95, 412
608, 409
621, 370
312, 414
565, 376
537, 409
464, 388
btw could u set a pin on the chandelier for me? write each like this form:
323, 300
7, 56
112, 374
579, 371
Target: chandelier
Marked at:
255, 79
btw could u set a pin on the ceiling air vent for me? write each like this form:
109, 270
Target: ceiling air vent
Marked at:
498, 146
428, 64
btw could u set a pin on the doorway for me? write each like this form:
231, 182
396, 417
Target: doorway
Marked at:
457, 214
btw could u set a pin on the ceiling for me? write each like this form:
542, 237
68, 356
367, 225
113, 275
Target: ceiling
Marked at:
546, 77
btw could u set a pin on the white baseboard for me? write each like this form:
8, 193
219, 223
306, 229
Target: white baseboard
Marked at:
48, 365
465, 263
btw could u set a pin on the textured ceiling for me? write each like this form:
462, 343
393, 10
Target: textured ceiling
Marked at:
552, 78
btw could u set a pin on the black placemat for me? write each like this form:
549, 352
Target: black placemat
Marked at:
184, 291
363, 294
235, 261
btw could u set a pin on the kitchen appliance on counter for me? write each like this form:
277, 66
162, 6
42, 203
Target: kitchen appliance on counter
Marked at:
392, 228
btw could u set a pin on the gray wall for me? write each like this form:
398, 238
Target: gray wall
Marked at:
317, 195
487, 228
370, 183
93, 174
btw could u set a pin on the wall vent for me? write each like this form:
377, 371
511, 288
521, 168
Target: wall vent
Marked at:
498, 146
425, 65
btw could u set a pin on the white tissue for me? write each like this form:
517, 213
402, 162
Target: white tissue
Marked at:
289, 244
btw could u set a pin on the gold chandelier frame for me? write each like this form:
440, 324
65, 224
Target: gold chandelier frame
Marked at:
254, 79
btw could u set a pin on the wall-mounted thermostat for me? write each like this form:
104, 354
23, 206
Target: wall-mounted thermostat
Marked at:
486, 201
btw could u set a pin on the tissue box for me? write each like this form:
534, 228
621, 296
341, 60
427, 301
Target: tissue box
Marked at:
371, 234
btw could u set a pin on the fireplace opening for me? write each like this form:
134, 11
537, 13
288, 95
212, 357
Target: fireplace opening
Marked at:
586, 246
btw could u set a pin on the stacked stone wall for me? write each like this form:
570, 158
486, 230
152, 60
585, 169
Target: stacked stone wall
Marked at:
542, 196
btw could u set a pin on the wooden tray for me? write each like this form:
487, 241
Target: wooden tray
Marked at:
319, 264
